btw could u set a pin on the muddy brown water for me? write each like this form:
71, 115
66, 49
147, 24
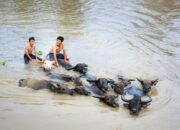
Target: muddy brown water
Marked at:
128, 37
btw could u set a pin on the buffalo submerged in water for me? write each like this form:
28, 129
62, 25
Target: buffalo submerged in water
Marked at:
109, 99
45, 84
147, 84
119, 86
80, 67
79, 87
101, 83
100, 87
136, 99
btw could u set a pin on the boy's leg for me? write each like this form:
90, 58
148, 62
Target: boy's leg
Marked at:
26, 59
34, 57
51, 56
60, 56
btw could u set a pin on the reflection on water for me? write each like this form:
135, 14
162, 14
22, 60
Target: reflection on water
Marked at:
130, 38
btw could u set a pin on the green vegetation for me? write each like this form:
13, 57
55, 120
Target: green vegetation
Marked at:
4, 63
40, 53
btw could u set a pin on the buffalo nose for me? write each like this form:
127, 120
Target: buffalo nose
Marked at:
115, 105
103, 89
134, 111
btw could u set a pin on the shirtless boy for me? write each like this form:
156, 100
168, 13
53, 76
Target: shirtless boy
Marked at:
55, 54
29, 50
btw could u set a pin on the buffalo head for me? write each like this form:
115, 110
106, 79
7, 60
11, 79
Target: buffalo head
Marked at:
61, 88
147, 84
125, 81
81, 68
111, 100
102, 83
81, 90
135, 102
22, 82
119, 86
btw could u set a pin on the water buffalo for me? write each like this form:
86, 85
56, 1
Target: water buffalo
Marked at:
125, 80
82, 90
35, 84
101, 83
67, 78
61, 88
79, 87
76, 79
111, 100
81, 67
108, 99
45, 84
136, 99
119, 86
147, 84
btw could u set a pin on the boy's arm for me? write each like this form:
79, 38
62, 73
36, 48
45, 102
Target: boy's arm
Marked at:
65, 55
35, 51
55, 58
27, 53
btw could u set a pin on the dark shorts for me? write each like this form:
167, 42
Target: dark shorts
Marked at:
58, 56
26, 58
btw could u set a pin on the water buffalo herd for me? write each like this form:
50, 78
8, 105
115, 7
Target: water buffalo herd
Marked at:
135, 97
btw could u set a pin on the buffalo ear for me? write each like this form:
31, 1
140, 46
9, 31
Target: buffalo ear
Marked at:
120, 77
111, 81
140, 80
131, 80
127, 97
98, 96
84, 65
155, 82
146, 99
112, 85
55, 84
91, 80
20, 82
70, 68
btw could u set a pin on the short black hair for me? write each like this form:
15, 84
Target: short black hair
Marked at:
31, 38
60, 38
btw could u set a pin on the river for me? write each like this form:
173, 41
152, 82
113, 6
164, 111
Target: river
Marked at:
114, 37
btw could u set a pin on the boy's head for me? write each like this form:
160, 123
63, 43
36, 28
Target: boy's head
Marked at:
32, 40
59, 40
